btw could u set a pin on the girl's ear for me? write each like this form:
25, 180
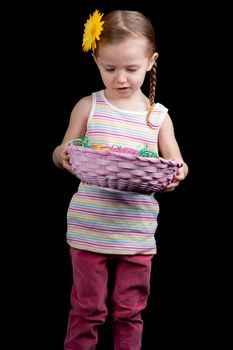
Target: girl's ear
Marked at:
152, 61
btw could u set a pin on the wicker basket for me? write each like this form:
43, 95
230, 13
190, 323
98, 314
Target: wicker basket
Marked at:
121, 171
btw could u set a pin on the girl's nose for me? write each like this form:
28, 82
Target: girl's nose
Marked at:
121, 77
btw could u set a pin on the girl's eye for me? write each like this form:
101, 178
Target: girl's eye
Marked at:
128, 69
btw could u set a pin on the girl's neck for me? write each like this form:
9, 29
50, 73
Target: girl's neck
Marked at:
137, 102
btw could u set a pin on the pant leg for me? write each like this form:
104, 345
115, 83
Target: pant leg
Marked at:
130, 293
88, 299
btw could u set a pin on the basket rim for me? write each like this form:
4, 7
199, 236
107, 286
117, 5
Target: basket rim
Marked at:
125, 155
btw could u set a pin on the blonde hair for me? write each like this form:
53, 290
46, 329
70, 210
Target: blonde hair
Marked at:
120, 25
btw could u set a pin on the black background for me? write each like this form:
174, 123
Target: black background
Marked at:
47, 73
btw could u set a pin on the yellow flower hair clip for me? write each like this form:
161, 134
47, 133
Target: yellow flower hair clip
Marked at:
92, 29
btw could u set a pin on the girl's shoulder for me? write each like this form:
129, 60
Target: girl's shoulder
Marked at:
82, 107
160, 107
160, 111
86, 100
84, 103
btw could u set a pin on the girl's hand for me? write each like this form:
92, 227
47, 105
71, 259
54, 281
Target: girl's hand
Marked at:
180, 176
61, 158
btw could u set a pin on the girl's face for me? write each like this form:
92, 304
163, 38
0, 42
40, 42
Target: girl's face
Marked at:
123, 66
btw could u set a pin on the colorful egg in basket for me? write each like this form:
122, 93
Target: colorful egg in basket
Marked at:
121, 171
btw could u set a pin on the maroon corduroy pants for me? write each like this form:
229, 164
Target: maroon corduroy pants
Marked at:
89, 295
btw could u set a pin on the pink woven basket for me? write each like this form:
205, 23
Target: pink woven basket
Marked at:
121, 171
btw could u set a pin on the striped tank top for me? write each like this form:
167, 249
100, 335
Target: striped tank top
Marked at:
115, 222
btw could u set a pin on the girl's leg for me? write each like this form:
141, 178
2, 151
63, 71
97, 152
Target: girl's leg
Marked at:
88, 299
129, 298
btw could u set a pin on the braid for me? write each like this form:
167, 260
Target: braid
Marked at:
152, 92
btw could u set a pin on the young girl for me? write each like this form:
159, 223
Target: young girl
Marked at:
104, 225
